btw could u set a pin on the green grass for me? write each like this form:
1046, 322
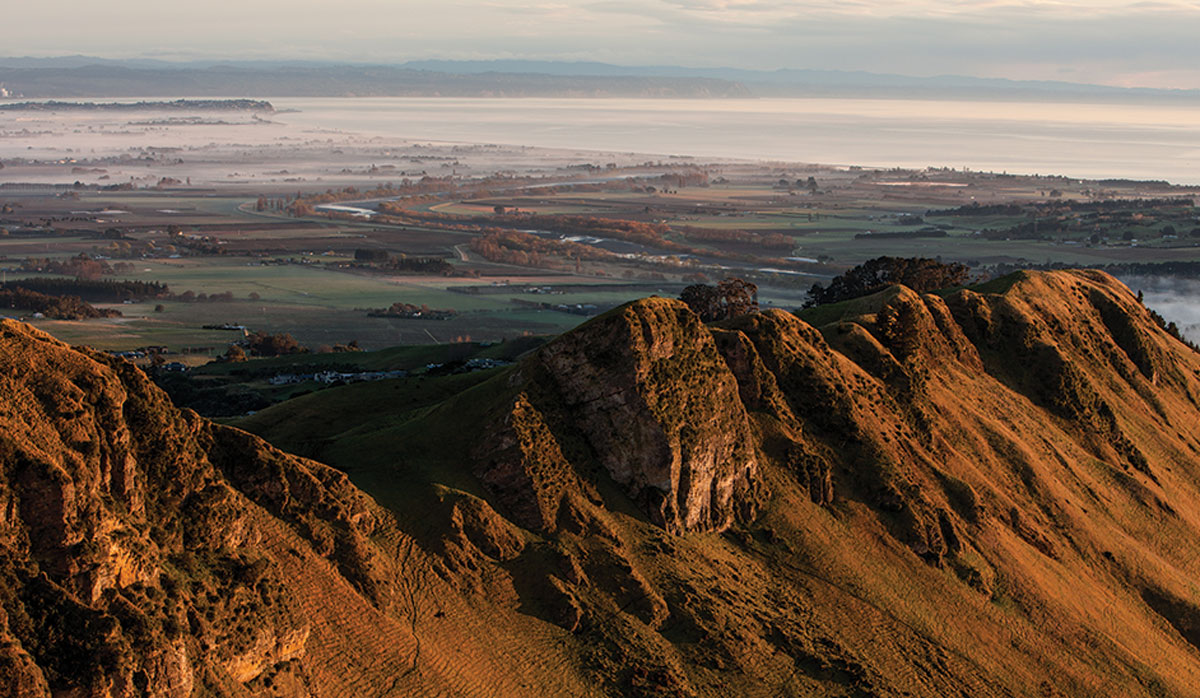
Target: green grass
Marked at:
1001, 284
393, 438
309, 423
129, 333
56, 247
394, 358
831, 313
323, 307
316, 305
303, 285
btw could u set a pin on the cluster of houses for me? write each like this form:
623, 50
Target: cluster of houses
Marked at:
585, 309
331, 377
476, 364
140, 352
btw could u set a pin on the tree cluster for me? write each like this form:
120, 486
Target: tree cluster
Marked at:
777, 241
56, 307
93, 290
730, 298
411, 311
369, 255
372, 257
193, 297
919, 274
81, 266
421, 265
528, 250
263, 344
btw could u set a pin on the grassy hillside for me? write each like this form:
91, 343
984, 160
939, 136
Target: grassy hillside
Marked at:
991, 492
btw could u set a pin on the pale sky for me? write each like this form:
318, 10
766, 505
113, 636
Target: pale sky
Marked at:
1152, 43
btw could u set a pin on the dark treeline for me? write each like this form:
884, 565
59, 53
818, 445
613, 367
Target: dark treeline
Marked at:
1133, 182
728, 299
977, 209
1064, 205
380, 259
92, 290
55, 307
190, 296
919, 274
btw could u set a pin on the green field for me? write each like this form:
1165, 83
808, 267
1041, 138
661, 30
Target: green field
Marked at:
323, 307
318, 306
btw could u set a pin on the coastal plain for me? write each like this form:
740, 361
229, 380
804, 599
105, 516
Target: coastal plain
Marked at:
203, 201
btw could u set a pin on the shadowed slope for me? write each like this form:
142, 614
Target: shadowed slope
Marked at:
991, 493
146, 550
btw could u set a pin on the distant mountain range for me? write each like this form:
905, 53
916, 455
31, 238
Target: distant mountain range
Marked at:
84, 76
248, 80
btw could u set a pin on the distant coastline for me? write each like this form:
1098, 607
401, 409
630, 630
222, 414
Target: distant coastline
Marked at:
177, 104
88, 77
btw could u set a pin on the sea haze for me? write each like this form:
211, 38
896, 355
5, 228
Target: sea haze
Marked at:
1176, 299
1085, 140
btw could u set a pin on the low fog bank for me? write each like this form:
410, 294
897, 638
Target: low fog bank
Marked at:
1176, 299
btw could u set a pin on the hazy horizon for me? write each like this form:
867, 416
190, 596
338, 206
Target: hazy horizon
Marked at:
1109, 42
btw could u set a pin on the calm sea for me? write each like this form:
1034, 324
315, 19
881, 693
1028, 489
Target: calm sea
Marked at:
1078, 140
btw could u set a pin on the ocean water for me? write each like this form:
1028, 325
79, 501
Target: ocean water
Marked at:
1077, 140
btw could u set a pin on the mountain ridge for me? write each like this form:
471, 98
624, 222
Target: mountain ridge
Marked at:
868, 432
148, 550
988, 491
68, 76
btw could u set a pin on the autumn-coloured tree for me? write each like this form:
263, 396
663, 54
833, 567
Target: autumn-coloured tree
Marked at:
263, 344
235, 354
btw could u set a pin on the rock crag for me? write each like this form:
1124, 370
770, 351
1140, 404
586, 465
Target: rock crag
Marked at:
146, 551
991, 491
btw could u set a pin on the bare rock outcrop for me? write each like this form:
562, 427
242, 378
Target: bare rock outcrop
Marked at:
986, 493
146, 551
646, 390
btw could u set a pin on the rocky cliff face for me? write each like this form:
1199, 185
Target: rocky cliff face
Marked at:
961, 469
986, 493
145, 551
647, 391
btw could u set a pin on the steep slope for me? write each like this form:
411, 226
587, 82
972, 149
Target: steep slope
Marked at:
993, 492
144, 551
